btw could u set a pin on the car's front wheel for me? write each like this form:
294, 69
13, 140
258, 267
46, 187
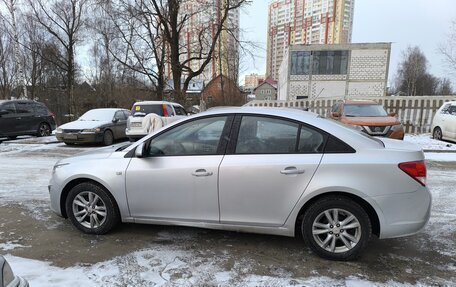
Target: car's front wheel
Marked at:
91, 209
336, 227
108, 138
437, 134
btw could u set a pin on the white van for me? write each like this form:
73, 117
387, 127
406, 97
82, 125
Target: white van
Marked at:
444, 123
137, 125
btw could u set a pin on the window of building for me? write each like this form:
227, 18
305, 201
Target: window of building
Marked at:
300, 63
329, 62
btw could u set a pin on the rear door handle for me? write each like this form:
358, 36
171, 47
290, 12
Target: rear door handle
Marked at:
292, 170
201, 172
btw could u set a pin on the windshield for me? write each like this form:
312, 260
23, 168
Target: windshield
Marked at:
353, 110
98, 115
142, 110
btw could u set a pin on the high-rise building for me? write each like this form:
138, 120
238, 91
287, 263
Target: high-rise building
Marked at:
201, 20
306, 22
252, 81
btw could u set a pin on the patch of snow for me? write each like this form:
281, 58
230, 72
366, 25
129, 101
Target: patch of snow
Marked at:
11, 245
428, 143
440, 156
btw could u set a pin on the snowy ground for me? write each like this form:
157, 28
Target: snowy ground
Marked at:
48, 251
427, 143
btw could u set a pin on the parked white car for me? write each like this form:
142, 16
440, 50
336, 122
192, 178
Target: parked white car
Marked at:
444, 123
138, 124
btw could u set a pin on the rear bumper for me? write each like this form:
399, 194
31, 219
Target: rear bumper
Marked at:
405, 213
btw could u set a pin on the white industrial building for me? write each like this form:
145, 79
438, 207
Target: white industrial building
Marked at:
337, 70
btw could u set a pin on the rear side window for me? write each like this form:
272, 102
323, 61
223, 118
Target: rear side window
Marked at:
169, 109
24, 108
452, 110
40, 109
335, 145
263, 135
142, 110
445, 109
311, 141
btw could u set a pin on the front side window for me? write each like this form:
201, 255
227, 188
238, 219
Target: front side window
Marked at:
198, 137
452, 110
263, 135
10, 107
120, 116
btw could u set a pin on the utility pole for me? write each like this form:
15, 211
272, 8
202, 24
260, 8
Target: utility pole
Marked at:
20, 69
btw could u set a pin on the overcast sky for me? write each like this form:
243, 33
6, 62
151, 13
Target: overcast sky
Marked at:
423, 23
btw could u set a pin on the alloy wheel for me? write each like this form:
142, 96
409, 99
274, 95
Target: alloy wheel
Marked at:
336, 230
89, 209
44, 130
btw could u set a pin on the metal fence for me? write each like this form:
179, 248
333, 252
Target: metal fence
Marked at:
416, 113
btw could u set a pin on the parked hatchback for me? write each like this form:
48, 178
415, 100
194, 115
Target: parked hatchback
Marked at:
25, 117
274, 171
137, 125
444, 122
95, 126
369, 116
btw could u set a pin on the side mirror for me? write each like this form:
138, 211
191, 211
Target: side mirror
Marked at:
392, 114
139, 152
115, 120
335, 115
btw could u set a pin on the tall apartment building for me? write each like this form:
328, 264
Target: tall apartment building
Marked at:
252, 81
201, 21
306, 22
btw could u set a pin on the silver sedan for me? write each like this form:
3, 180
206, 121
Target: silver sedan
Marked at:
273, 171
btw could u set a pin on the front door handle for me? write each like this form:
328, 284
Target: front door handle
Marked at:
201, 172
292, 170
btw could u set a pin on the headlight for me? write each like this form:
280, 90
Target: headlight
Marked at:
58, 165
8, 275
396, 127
90, 131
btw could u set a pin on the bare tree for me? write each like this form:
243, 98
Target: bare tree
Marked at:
135, 39
410, 70
7, 67
448, 49
188, 59
64, 21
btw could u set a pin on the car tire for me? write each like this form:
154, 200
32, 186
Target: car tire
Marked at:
341, 238
91, 209
437, 134
108, 138
44, 130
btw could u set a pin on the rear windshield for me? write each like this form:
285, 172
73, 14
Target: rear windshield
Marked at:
142, 110
353, 110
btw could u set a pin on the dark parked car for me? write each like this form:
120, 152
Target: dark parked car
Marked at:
25, 117
95, 126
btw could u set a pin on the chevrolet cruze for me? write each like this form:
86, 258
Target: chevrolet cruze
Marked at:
273, 171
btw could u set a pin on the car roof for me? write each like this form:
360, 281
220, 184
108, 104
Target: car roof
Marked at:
156, 103
109, 109
280, 112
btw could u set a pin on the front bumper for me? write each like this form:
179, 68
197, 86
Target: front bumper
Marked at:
404, 213
18, 282
80, 137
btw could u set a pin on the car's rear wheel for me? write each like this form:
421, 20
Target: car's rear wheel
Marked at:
336, 228
44, 130
437, 134
108, 138
91, 209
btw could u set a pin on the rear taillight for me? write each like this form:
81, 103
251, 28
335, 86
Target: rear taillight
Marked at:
416, 170
165, 111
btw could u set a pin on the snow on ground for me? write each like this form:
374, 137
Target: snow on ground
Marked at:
159, 267
428, 143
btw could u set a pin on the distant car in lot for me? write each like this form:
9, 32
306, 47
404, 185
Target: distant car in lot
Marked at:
95, 126
369, 116
138, 125
25, 117
262, 170
7, 277
444, 122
